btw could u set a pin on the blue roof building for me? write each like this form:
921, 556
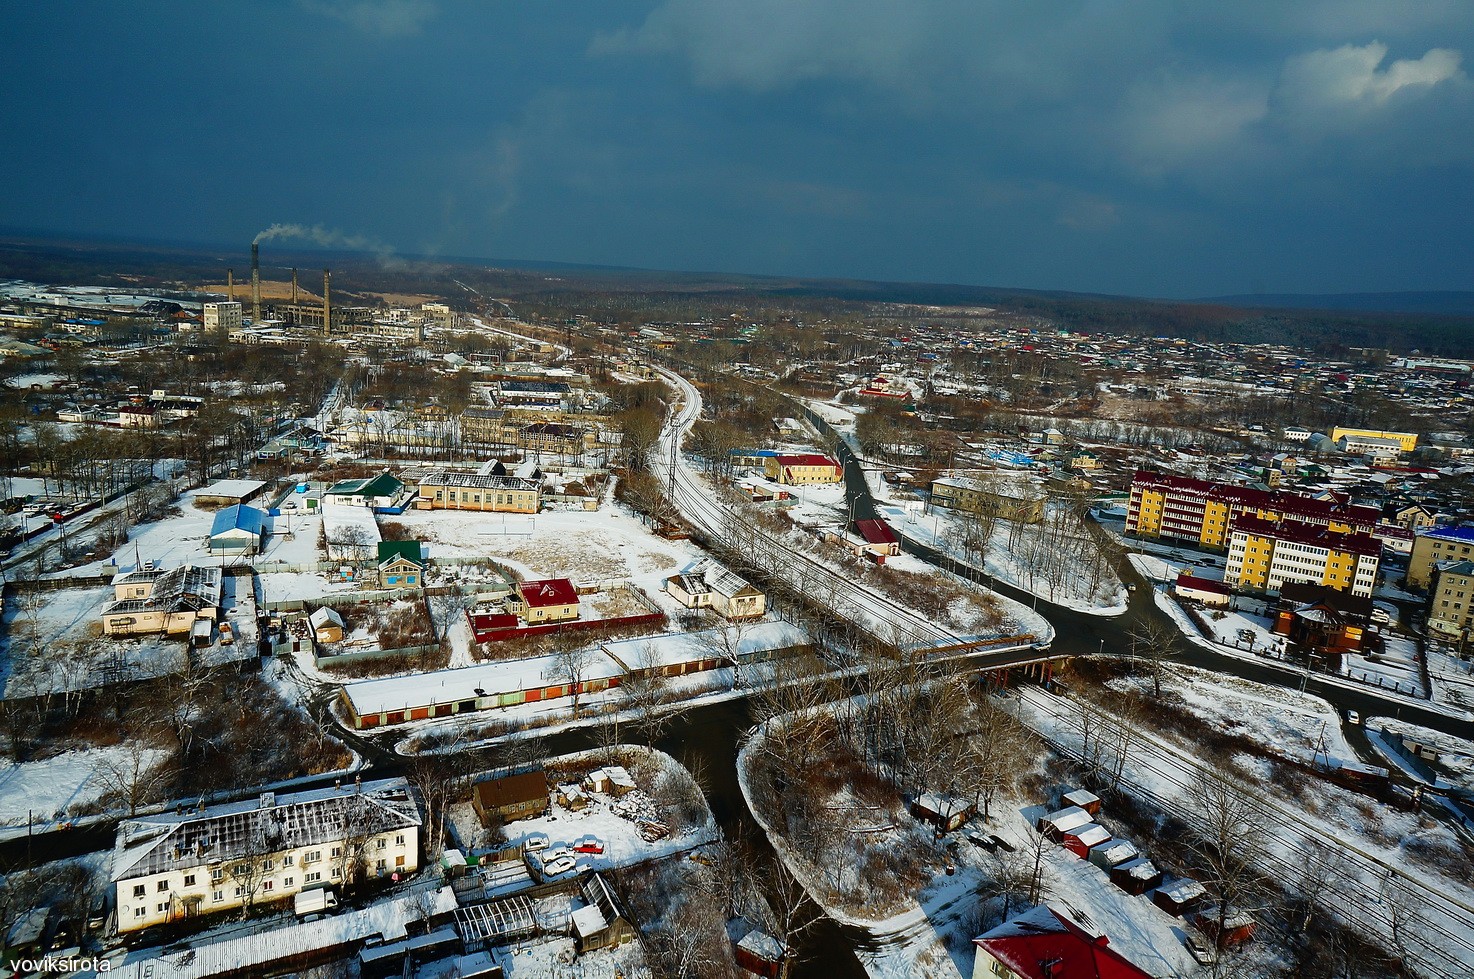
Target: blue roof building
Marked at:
237, 529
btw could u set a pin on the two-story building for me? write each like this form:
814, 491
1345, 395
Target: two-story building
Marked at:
802, 468
446, 489
180, 864
152, 600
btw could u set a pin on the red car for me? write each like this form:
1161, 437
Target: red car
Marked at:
588, 845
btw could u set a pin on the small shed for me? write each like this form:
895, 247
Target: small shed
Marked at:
1083, 798
572, 797
1056, 824
327, 625
611, 779
945, 812
601, 922
1136, 876
510, 797
1112, 853
1080, 839
762, 954
1238, 927
1181, 897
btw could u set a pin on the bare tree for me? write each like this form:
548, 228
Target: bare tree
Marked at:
1230, 839
1153, 642
570, 665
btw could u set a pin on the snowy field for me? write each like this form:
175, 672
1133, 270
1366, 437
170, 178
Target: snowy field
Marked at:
47, 789
1074, 589
583, 545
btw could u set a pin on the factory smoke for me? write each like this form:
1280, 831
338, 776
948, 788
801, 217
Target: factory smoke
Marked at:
326, 237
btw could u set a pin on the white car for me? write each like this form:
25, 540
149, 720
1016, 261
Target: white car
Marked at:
535, 842
558, 866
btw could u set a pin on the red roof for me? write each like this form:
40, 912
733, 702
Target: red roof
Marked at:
875, 532
1043, 944
552, 591
1185, 580
807, 459
1307, 534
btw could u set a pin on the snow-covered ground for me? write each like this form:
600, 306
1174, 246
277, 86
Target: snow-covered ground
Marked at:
46, 790
585, 545
945, 530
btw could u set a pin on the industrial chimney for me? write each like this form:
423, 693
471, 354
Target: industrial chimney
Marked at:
230, 283
255, 283
294, 287
327, 302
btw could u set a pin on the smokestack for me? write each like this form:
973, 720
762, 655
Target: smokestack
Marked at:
294, 287
255, 283
230, 283
327, 302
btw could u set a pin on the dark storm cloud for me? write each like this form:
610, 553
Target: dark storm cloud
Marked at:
1139, 146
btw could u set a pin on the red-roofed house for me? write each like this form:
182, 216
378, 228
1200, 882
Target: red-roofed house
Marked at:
1044, 944
880, 540
803, 468
549, 600
1214, 594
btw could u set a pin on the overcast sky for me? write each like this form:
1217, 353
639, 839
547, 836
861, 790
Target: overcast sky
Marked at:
1148, 147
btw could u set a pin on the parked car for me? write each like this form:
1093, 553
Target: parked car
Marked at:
536, 842
1199, 949
227, 634
587, 844
1001, 843
558, 866
983, 840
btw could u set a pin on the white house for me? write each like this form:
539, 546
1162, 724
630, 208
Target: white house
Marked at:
177, 865
714, 587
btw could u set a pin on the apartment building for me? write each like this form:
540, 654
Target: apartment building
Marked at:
1010, 499
241, 854
1201, 512
1451, 602
446, 489
1264, 555
1434, 547
1361, 440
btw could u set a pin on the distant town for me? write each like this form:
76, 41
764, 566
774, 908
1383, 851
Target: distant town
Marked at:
406, 627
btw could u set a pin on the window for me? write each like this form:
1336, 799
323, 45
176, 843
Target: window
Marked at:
382, 843
288, 881
313, 877
399, 840
217, 875
139, 912
162, 907
337, 851
162, 885
267, 885
268, 864
139, 889
337, 872
217, 896
399, 861
288, 860
381, 866
312, 856
189, 880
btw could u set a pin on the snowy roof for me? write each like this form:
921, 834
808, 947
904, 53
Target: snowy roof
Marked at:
384, 919
188, 587
1068, 818
173, 841
588, 920
1182, 890
1045, 943
325, 616
233, 489
1116, 851
1139, 869
483, 481
1091, 834
763, 946
464, 683
686, 647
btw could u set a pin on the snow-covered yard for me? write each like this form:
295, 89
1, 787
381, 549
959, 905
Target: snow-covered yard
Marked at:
46, 790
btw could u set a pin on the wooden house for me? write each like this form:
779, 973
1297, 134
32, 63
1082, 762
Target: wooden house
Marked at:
602, 921
510, 797
763, 955
945, 812
327, 625
401, 564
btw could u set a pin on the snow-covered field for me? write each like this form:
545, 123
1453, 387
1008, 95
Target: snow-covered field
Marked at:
585, 545
45, 790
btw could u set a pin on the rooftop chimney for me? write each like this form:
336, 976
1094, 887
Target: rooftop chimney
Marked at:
255, 283
327, 302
